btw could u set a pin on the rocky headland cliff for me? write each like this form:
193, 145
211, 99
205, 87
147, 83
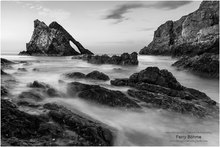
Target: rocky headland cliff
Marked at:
52, 40
194, 38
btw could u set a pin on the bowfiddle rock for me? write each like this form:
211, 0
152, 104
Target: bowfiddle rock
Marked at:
52, 40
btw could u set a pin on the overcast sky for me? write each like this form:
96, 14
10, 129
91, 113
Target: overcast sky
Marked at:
102, 27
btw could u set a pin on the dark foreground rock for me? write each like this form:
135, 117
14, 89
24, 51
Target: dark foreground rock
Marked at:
22, 69
56, 126
37, 84
160, 89
75, 75
206, 64
191, 36
97, 94
4, 91
38, 92
7, 83
3, 73
52, 40
96, 75
124, 59
6, 63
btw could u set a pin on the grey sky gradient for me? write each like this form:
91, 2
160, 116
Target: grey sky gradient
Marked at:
119, 11
101, 26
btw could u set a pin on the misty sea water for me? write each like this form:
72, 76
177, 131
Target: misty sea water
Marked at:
150, 127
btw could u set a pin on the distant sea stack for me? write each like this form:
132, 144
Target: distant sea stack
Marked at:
195, 37
52, 40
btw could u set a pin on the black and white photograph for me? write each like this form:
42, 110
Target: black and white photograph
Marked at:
109, 73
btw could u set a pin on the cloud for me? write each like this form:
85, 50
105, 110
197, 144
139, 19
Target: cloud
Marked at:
118, 14
171, 4
57, 14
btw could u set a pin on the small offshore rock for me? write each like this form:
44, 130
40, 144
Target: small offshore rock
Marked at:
97, 76
22, 69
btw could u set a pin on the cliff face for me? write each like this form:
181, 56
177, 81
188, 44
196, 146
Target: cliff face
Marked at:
194, 38
199, 26
52, 40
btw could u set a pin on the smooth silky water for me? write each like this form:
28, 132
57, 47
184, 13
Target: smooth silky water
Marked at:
147, 127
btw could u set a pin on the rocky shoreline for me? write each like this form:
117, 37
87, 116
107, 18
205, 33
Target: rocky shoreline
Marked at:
160, 89
57, 125
193, 38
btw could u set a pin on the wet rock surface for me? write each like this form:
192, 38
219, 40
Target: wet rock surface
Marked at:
160, 89
39, 91
75, 75
32, 94
57, 126
3, 73
4, 91
95, 75
29, 118
123, 59
7, 83
90, 132
206, 64
37, 84
5, 63
100, 95
52, 40
22, 69
151, 75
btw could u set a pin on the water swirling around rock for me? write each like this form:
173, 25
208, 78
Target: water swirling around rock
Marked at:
145, 126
